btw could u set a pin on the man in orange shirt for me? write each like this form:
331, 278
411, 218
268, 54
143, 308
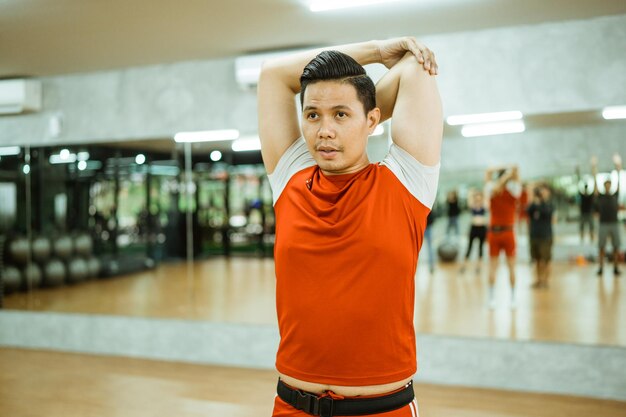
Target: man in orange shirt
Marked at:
348, 232
502, 193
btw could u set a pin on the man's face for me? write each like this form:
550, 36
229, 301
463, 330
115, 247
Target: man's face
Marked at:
336, 127
607, 186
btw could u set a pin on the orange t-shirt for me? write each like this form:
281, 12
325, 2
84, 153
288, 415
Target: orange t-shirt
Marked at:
503, 204
346, 253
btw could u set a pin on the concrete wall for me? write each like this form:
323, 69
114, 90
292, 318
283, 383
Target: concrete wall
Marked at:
548, 68
540, 153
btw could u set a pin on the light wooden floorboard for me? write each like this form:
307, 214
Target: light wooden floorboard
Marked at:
52, 384
578, 307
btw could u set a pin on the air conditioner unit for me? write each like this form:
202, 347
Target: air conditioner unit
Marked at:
20, 96
248, 68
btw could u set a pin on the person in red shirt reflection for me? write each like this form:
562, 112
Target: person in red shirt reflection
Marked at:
502, 191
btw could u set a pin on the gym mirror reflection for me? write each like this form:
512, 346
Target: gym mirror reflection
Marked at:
186, 231
135, 229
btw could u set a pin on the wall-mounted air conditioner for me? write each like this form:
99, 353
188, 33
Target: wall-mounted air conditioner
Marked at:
20, 96
248, 68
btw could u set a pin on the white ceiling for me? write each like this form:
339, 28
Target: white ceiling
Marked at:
48, 37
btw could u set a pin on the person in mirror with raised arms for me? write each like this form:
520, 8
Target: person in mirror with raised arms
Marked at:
607, 206
502, 191
348, 231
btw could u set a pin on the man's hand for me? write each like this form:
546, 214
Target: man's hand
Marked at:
392, 51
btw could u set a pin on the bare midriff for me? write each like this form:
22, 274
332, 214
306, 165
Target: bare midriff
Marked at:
343, 390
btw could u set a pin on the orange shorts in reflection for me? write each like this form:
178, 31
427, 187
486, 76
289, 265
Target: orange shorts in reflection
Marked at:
282, 409
501, 241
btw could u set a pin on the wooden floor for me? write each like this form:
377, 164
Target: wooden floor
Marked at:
38, 383
578, 307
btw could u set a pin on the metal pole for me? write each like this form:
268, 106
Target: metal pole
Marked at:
189, 220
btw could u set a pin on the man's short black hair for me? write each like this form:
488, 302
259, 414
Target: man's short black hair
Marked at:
337, 66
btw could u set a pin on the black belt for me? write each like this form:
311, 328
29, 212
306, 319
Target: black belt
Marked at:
497, 229
327, 407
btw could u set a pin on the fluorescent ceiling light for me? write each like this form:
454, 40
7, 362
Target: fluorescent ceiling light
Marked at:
140, 159
465, 119
614, 112
216, 156
247, 144
10, 150
63, 158
207, 136
487, 129
66, 157
323, 5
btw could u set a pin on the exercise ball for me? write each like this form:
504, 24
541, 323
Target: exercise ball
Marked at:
93, 266
448, 251
63, 247
19, 249
77, 270
83, 245
11, 278
54, 273
41, 249
31, 276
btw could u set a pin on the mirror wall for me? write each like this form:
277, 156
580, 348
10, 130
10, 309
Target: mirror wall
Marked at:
164, 230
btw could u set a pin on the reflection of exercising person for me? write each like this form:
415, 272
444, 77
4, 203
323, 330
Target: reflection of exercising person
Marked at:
586, 201
608, 206
541, 216
348, 232
502, 194
586, 212
453, 212
478, 228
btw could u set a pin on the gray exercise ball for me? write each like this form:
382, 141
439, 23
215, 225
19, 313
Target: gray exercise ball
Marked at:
94, 266
11, 279
448, 251
63, 247
41, 249
31, 276
54, 273
19, 249
77, 270
83, 245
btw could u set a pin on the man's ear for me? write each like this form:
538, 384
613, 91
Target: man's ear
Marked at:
373, 117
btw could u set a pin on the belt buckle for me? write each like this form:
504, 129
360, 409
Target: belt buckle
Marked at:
314, 405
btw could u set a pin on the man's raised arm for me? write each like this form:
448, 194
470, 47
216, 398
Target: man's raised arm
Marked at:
617, 160
408, 93
279, 83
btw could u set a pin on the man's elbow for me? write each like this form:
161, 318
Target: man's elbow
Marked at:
268, 69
